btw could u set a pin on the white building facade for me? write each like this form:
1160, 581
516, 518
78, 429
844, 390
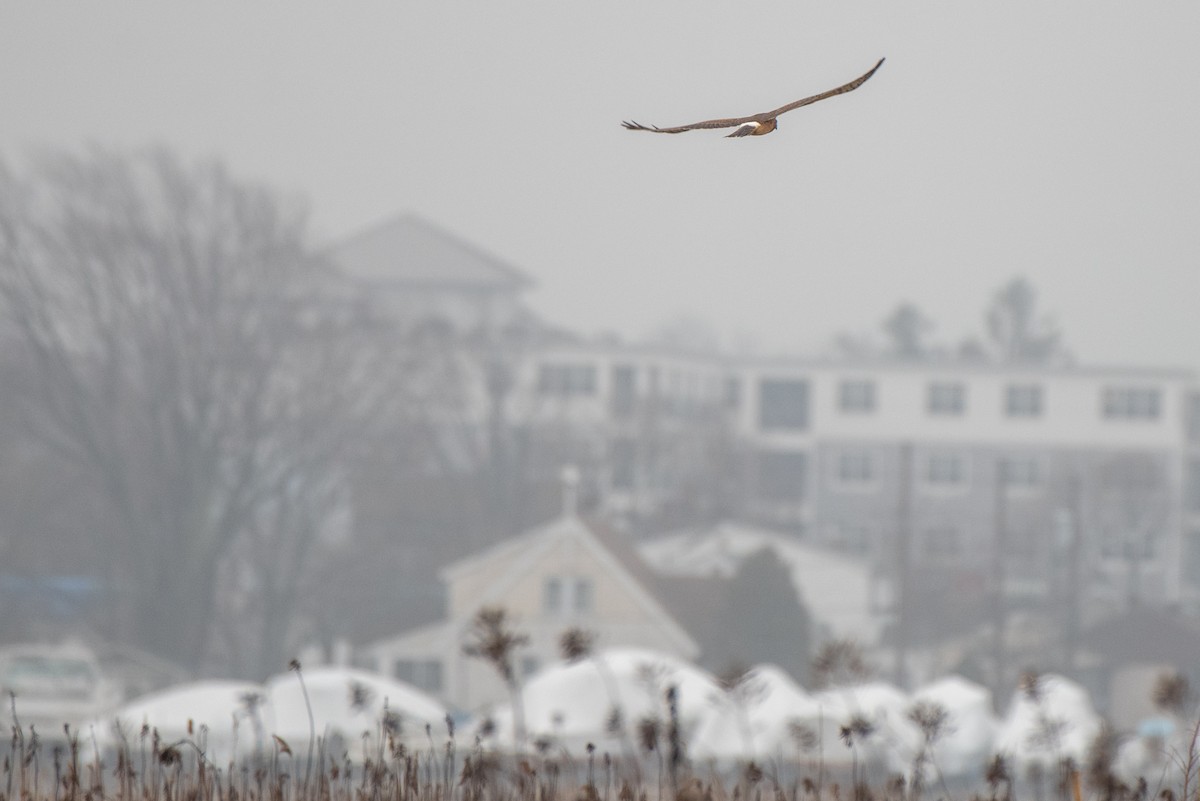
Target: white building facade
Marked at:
1082, 474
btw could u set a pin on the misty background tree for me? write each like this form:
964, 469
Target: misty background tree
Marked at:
1017, 330
175, 350
907, 330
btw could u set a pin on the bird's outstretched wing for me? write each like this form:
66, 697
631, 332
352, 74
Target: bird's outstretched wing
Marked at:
732, 122
841, 90
725, 123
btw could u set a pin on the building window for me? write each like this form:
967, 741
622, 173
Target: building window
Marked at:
782, 405
856, 397
946, 470
424, 674
855, 467
573, 594
567, 380
624, 390
942, 541
585, 596
1023, 400
1021, 472
781, 475
1131, 403
552, 594
947, 399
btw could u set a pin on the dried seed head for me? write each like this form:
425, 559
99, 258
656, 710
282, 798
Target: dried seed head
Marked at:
360, 695
802, 734
1171, 692
997, 771
931, 718
576, 644
1030, 685
649, 730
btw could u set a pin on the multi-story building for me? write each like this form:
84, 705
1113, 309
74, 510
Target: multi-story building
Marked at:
972, 458
1073, 487
1072, 473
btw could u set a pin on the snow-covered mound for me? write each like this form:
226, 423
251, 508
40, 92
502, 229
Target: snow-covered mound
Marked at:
1154, 755
221, 715
1059, 723
969, 734
345, 704
894, 740
755, 721
234, 719
572, 703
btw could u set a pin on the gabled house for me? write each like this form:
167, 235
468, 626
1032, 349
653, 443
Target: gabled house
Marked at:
423, 275
555, 576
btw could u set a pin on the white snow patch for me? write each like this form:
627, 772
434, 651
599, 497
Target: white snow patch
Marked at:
234, 719
571, 703
1062, 723
755, 723
969, 736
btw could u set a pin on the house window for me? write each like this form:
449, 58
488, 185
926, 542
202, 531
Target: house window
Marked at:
1023, 400
1021, 472
552, 594
585, 596
946, 470
856, 397
855, 466
624, 390
424, 674
567, 380
574, 594
947, 399
781, 475
782, 405
1131, 403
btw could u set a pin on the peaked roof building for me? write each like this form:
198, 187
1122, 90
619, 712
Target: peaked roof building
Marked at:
423, 273
553, 577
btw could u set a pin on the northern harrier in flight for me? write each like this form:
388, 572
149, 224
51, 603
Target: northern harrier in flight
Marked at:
757, 124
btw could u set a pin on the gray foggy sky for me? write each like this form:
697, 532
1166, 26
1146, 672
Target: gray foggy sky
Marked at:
1056, 140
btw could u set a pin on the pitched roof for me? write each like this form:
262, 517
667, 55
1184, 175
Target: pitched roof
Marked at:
409, 251
523, 551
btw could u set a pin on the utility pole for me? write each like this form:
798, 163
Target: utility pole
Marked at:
999, 551
1074, 567
903, 563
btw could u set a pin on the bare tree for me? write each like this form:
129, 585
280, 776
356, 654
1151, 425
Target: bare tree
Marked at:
180, 347
907, 328
1017, 330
